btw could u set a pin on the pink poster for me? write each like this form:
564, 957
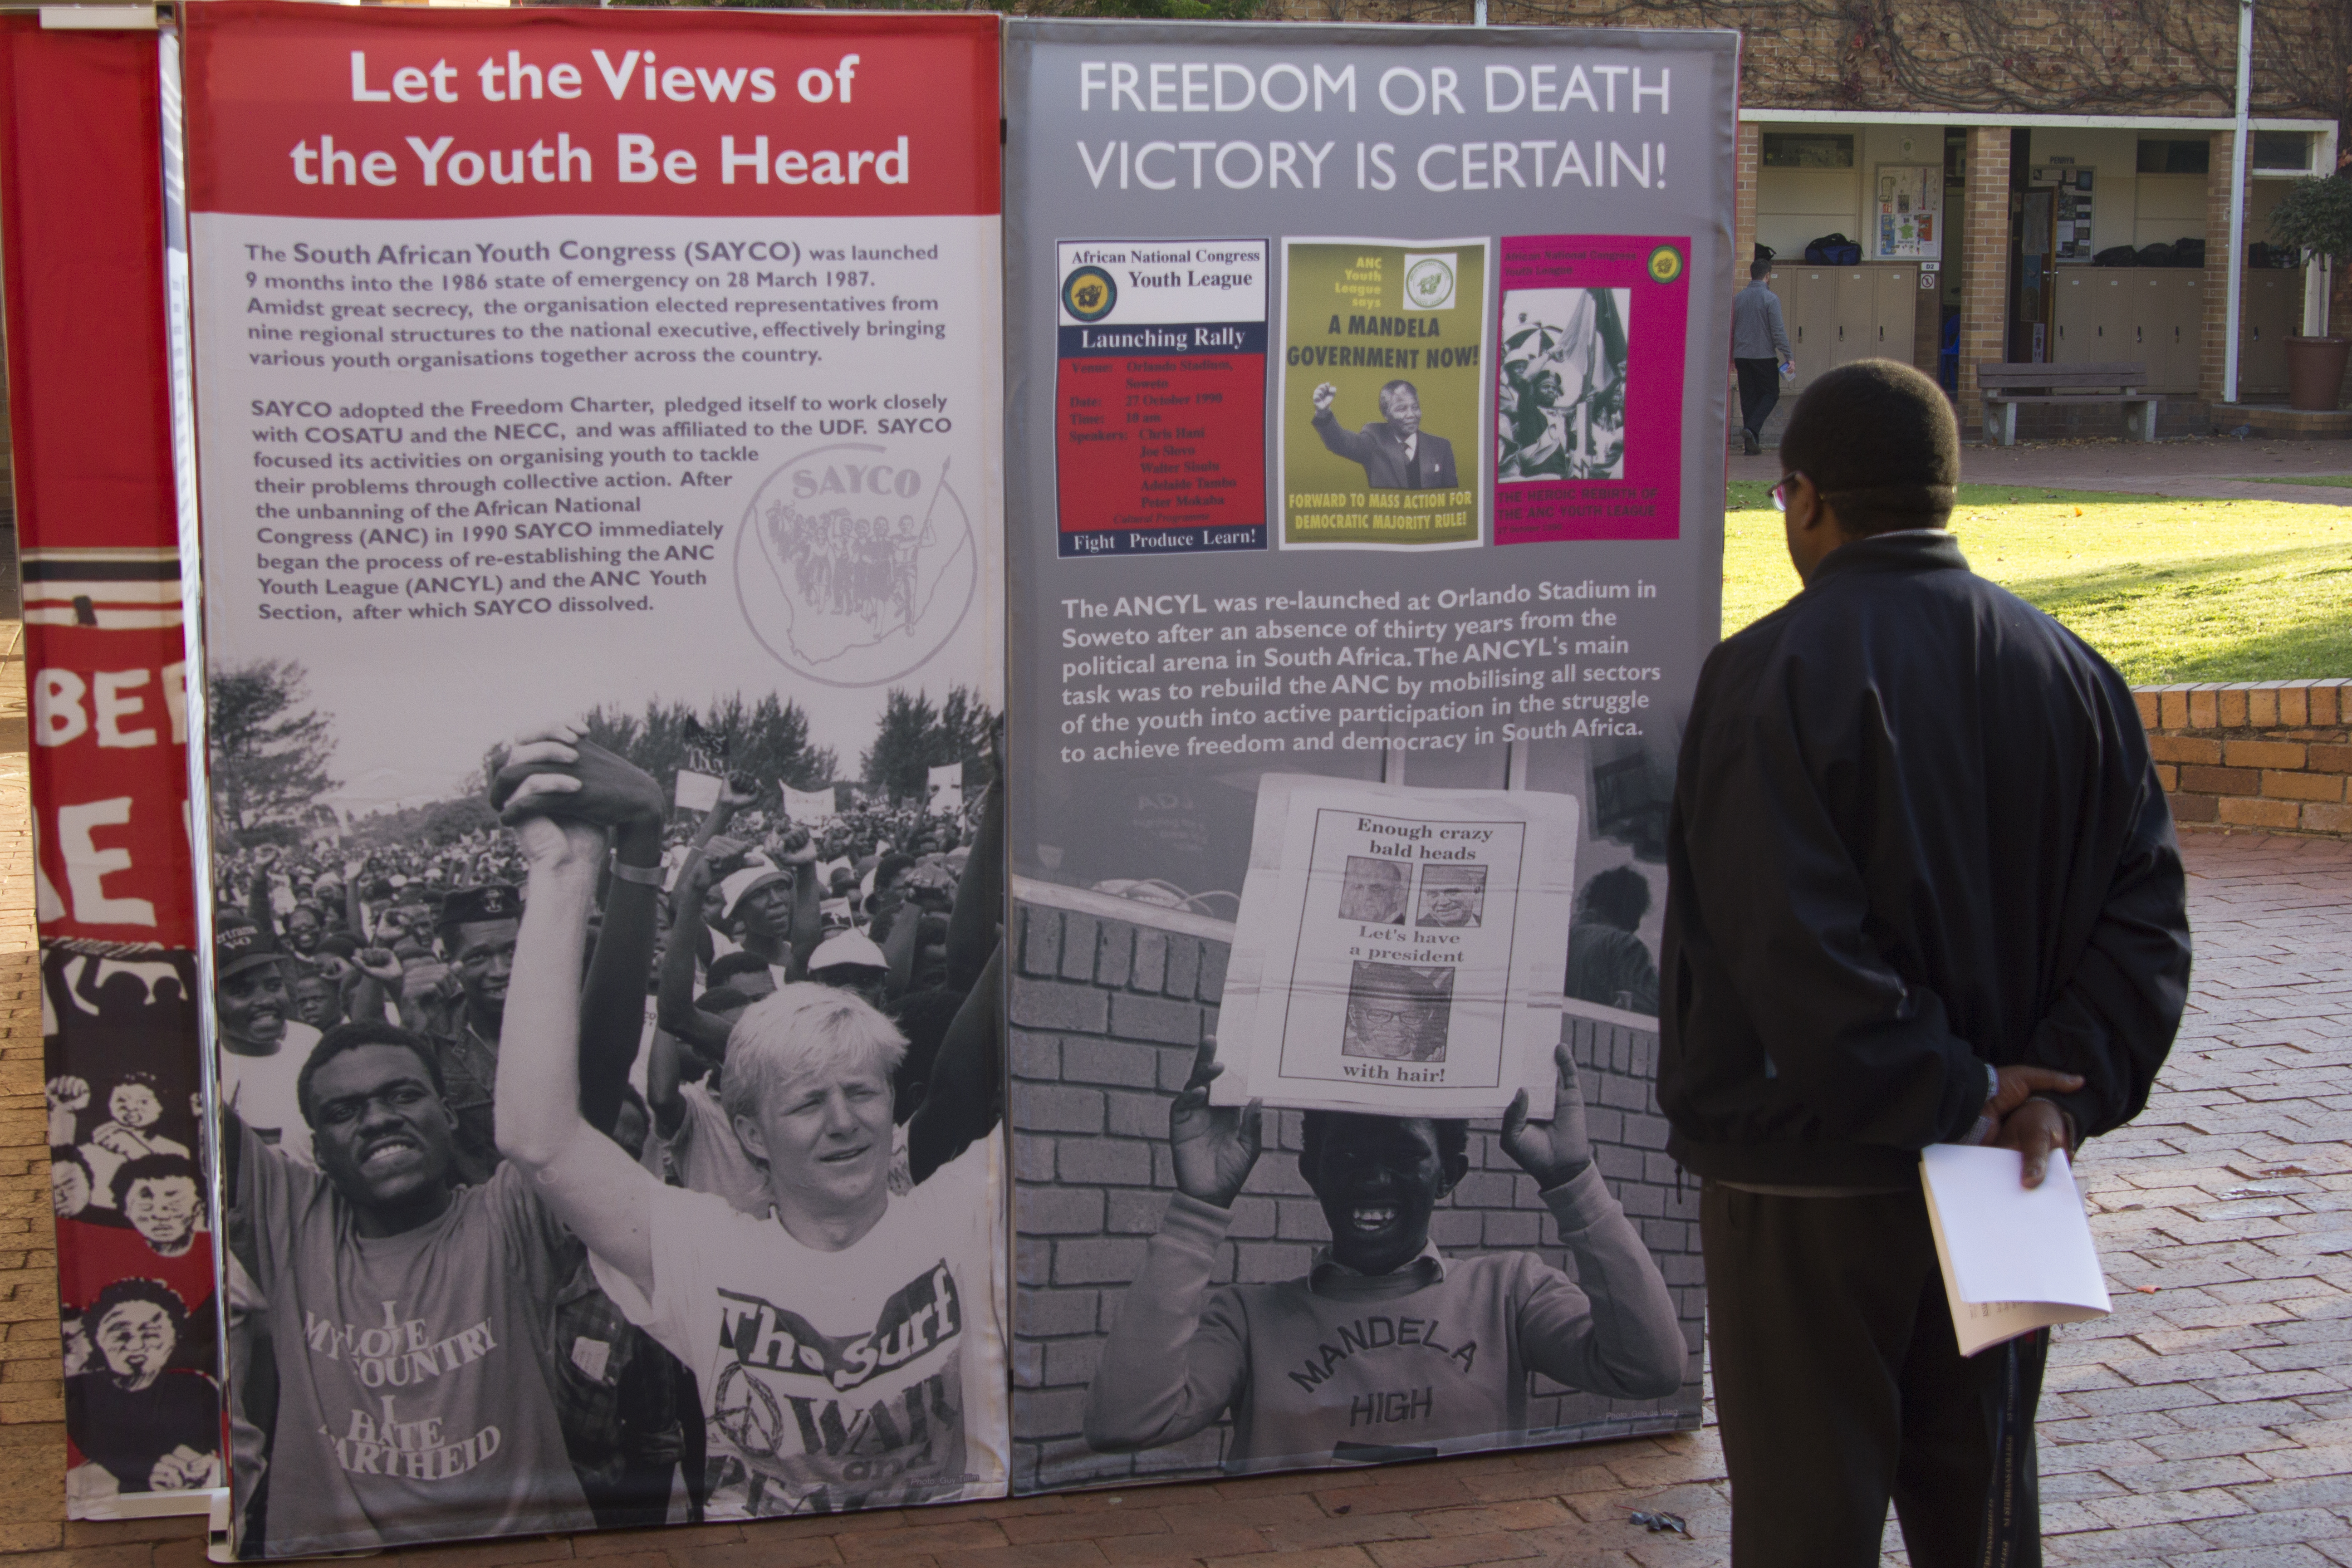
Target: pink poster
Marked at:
1587, 424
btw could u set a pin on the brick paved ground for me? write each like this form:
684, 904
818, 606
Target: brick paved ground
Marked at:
2209, 1422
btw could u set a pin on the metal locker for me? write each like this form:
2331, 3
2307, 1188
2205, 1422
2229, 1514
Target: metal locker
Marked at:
2176, 357
1812, 325
2269, 310
2147, 337
2172, 329
1894, 294
1857, 316
2188, 330
2071, 331
2112, 339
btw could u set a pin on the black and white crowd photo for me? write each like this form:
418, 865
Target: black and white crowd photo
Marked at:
590, 1159
1560, 401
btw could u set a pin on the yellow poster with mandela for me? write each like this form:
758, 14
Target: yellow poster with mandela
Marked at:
1382, 433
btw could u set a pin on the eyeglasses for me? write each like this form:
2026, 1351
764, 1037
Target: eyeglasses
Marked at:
1780, 493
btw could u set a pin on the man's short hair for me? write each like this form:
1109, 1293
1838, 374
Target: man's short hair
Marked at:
1760, 268
1619, 896
152, 1168
1393, 388
67, 1154
345, 1037
728, 965
805, 1028
152, 1291
1879, 442
722, 1000
1453, 1133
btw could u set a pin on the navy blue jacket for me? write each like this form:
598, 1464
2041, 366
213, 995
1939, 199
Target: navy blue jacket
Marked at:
1916, 829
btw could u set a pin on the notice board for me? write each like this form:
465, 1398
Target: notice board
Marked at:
1365, 400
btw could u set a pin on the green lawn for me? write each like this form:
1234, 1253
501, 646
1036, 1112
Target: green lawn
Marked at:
2169, 590
2338, 480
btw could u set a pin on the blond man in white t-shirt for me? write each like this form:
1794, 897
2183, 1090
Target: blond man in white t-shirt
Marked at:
847, 1343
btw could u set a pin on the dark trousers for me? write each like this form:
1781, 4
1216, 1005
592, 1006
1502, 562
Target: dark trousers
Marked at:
1839, 1387
1759, 389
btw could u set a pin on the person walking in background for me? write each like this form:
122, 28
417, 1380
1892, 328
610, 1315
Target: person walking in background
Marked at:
1922, 888
1760, 351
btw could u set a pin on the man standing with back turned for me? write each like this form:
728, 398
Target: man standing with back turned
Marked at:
1922, 888
1759, 347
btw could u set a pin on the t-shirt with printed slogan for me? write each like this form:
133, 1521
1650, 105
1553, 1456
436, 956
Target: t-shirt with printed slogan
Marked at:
413, 1397
1341, 1367
872, 1377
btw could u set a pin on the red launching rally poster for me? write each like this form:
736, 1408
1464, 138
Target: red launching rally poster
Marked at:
1160, 396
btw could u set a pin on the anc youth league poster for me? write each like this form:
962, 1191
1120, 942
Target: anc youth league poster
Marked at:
612, 395
1364, 455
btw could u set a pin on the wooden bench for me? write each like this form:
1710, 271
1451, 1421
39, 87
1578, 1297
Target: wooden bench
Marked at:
2007, 386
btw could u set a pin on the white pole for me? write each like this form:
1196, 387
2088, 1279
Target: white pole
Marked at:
1480, 19
2240, 157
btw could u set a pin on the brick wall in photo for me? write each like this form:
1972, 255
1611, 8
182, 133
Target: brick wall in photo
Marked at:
1108, 1008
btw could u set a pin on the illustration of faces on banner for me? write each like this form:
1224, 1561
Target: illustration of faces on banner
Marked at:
135, 1263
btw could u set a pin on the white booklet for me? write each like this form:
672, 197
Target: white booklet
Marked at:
2014, 1259
1400, 950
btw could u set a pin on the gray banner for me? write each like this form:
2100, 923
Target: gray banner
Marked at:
1365, 421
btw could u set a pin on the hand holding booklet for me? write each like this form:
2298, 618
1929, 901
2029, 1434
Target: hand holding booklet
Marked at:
2014, 1259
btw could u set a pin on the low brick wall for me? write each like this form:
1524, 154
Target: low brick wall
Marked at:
1109, 1003
2272, 756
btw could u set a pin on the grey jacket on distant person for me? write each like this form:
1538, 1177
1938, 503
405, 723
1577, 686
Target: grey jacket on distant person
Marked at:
1757, 330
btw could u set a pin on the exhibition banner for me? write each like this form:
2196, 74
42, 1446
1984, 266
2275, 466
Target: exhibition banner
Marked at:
598, 424
97, 535
1346, 688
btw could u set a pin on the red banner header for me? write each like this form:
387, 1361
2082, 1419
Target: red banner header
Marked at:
318, 110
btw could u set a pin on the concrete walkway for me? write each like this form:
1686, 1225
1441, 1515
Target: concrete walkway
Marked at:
2215, 467
2208, 1424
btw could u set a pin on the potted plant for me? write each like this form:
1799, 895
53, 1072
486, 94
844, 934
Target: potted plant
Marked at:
2316, 217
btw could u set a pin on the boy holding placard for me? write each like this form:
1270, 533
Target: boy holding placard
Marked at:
1387, 1349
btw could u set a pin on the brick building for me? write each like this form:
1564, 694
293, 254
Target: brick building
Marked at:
2063, 137
2039, 138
